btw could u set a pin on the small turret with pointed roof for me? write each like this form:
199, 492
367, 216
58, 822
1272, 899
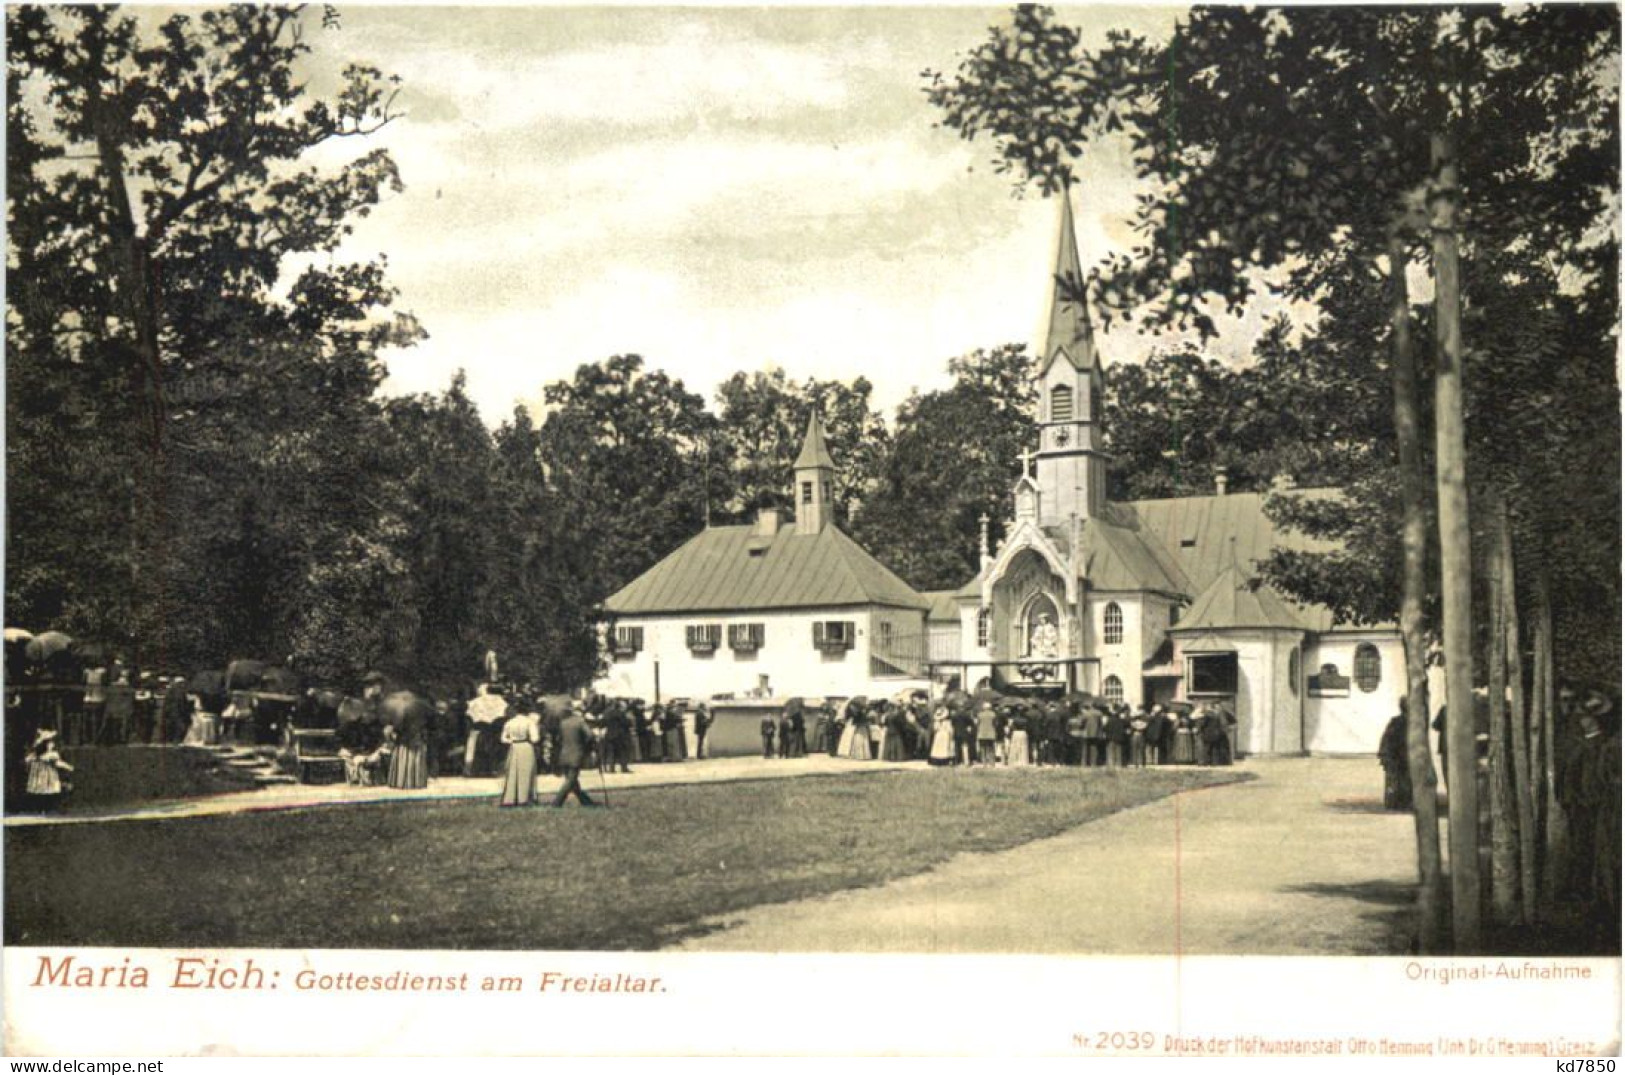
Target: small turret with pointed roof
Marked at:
815, 477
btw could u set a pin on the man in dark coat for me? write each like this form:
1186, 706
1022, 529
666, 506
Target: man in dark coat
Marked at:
1115, 729
784, 733
1396, 772
617, 737
1094, 736
702, 727
177, 711
768, 727
575, 751
964, 725
1157, 732
1055, 725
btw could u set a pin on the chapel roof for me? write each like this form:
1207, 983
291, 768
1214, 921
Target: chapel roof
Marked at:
1234, 600
944, 609
736, 569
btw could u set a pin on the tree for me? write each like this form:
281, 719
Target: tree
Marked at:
157, 186
622, 450
953, 460
764, 419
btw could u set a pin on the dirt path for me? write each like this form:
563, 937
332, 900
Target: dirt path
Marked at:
1302, 861
310, 796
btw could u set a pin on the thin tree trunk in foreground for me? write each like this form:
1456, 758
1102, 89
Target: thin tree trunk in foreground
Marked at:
1503, 830
1524, 792
1412, 623
1455, 553
1557, 828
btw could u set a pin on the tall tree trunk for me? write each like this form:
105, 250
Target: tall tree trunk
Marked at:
1412, 622
1519, 727
1503, 829
1557, 827
146, 619
1455, 551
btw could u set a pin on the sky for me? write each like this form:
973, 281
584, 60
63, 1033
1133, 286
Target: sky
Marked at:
715, 189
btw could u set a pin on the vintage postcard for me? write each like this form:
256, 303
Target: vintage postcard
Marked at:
804, 531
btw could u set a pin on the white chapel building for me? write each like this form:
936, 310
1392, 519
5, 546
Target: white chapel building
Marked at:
1142, 602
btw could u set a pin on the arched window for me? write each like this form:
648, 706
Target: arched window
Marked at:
1292, 670
1367, 667
1112, 690
1060, 403
984, 625
1113, 617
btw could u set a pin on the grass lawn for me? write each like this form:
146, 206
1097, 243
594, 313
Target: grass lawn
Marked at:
468, 875
106, 777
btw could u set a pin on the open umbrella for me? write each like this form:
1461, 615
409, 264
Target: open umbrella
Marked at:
43, 647
244, 675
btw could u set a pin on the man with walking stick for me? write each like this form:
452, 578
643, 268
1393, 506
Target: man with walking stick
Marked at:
575, 742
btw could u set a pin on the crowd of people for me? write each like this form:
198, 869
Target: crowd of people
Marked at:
989, 729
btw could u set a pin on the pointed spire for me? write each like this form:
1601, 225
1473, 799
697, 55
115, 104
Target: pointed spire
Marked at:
1069, 329
814, 453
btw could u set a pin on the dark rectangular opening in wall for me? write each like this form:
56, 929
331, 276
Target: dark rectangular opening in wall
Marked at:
1211, 673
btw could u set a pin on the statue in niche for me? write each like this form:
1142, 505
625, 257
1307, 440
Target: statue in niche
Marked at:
1046, 640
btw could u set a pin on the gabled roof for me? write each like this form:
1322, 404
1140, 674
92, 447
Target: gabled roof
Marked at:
733, 569
1205, 535
814, 452
1234, 600
944, 609
1118, 557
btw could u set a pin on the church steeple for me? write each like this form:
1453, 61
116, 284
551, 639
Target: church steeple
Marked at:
1069, 333
815, 475
1071, 384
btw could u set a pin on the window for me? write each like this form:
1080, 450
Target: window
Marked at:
628, 642
1113, 617
984, 627
1173, 614
1367, 667
1112, 689
806, 492
704, 637
746, 637
1293, 670
834, 635
1212, 673
827, 497
1060, 403
884, 634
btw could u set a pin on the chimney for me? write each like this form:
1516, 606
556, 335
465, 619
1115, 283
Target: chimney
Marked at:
1221, 481
767, 522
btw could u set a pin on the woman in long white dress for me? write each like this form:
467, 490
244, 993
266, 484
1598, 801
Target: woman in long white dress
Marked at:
521, 733
202, 731
942, 737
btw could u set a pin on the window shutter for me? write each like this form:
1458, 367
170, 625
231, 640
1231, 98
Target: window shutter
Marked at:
818, 633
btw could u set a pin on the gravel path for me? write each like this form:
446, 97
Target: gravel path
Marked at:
1302, 861
310, 796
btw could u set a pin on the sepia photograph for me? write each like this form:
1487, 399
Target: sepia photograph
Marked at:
900, 490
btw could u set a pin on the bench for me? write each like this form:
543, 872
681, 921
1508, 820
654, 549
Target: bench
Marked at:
309, 752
